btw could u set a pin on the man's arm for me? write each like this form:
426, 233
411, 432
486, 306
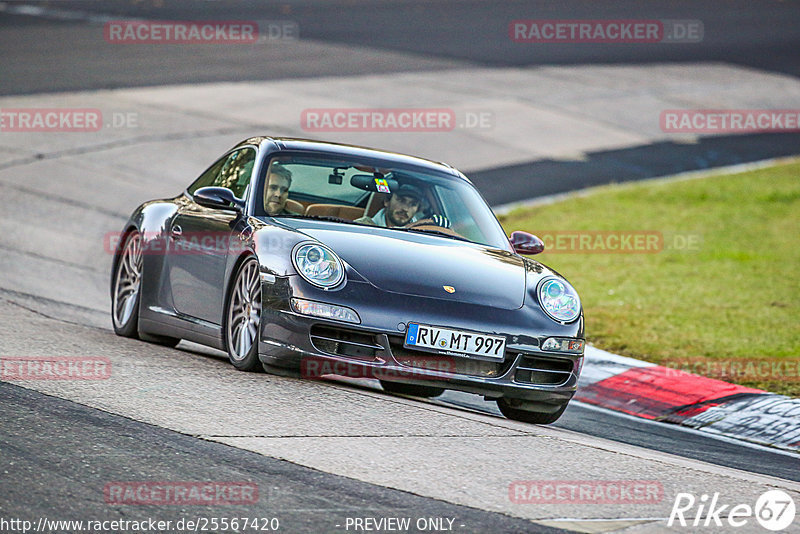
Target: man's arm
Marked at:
365, 220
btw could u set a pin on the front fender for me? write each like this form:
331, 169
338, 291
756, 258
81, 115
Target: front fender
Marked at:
535, 272
273, 246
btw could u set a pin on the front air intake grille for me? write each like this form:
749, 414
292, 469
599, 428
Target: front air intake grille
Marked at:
342, 342
543, 371
447, 364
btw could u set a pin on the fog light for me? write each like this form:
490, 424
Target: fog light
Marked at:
563, 344
326, 311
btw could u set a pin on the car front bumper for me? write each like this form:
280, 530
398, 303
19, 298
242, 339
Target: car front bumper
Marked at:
374, 348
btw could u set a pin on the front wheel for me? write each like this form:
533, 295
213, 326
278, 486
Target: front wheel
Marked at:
512, 409
127, 287
243, 317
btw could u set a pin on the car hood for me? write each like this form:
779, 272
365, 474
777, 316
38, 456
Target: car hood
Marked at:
422, 265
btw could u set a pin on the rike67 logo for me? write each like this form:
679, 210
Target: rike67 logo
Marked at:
774, 510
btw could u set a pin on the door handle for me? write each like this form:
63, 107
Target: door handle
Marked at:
177, 232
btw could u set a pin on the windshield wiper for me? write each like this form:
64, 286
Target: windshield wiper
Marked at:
330, 218
434, 232
348, 221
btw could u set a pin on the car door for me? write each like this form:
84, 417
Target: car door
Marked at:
200, 238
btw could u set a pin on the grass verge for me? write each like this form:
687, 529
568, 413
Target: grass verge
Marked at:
712, 285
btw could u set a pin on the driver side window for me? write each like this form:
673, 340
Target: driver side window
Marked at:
232, 172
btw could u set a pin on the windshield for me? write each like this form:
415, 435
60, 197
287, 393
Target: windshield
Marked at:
353, 192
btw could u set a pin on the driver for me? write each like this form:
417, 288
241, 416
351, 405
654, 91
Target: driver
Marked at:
401, 208
398, 210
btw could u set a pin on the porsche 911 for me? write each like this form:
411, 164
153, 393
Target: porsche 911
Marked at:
306, 258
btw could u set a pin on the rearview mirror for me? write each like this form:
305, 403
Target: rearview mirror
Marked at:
525, 243
220, 198
371, 182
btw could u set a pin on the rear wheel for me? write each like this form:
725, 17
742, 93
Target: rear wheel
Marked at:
411, 389
127, 287
513, 409
243, 317
126, 294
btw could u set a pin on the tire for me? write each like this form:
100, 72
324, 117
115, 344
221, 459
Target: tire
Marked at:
243, 317
511, 409
126, 288
411, 389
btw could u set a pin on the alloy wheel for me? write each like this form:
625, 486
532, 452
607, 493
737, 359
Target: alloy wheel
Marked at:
128, 281
244, 312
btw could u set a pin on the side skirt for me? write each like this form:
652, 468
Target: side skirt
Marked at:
168, 323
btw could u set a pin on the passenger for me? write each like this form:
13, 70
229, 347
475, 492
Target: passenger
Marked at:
276, 192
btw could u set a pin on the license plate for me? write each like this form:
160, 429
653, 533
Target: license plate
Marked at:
455, 342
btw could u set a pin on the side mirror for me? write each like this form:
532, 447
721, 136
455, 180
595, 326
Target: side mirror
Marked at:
525, 243
220, 198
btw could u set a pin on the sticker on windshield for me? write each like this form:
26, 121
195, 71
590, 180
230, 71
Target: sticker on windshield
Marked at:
382, 185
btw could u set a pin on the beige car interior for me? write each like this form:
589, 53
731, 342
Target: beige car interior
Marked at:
374, 204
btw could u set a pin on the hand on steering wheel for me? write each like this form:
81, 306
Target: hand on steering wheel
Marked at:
441, 220
433, 220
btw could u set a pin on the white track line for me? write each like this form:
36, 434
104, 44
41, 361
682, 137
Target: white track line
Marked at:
719, 437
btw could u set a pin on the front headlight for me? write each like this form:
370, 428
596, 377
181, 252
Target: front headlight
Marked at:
318, 264
559, 300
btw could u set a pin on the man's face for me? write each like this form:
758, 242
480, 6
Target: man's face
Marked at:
400, 209
277, 193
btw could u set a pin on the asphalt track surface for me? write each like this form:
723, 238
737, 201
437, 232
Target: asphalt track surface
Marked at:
508, 184
587, 419
761, 34
64, 55
59, 448
59, 454
63, 49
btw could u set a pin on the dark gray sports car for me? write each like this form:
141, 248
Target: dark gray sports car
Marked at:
309, 259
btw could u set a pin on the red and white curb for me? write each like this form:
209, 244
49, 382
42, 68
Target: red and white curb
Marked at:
659, 393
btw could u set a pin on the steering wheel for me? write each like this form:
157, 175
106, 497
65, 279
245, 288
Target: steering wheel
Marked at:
436, 222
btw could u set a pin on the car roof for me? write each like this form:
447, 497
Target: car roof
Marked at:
340, 149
